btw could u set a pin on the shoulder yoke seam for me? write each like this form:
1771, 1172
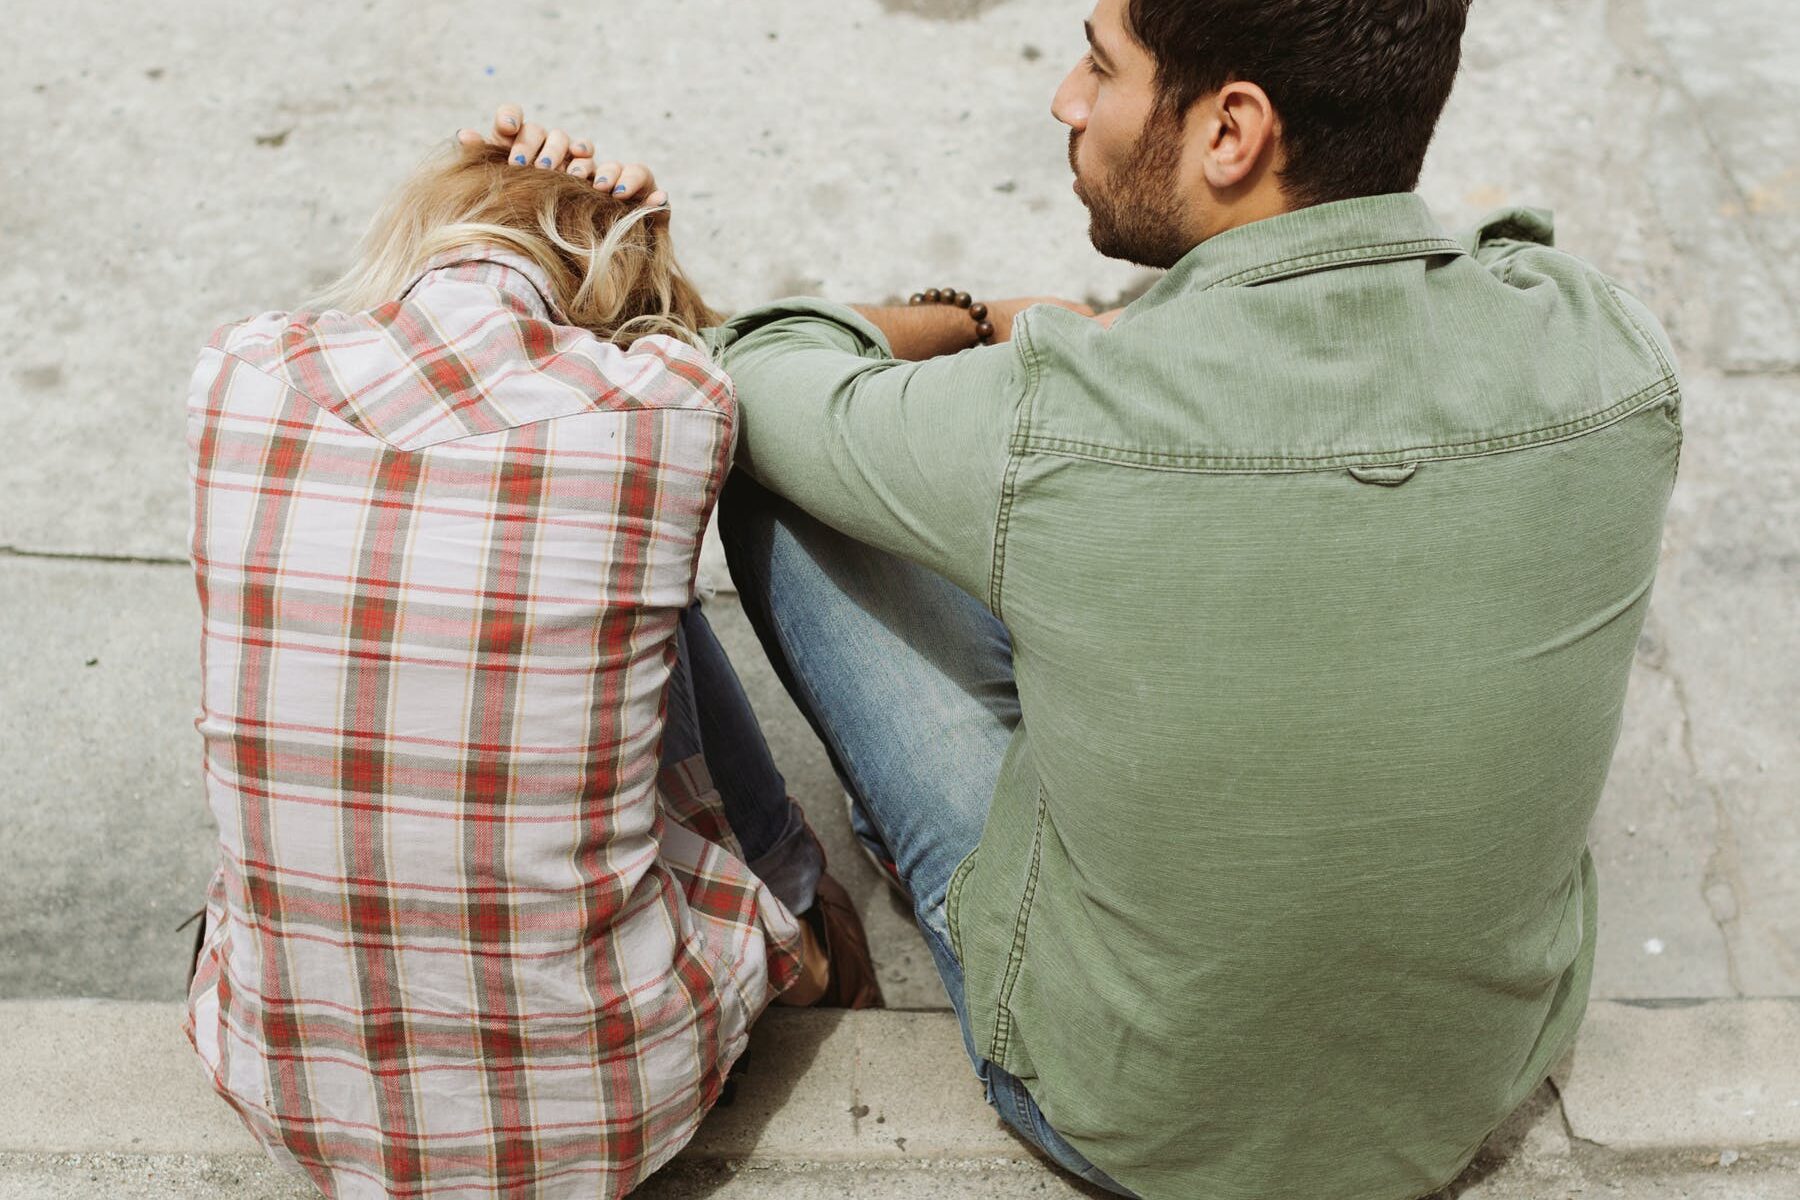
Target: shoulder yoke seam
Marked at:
1284, 463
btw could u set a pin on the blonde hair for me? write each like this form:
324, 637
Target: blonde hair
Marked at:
610, 263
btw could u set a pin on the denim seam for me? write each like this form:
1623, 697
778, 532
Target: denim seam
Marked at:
1649, 343
1300, 464
1373, 252
1015, 959
1021, 434
953, 901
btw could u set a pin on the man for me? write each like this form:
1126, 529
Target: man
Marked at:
1231, 688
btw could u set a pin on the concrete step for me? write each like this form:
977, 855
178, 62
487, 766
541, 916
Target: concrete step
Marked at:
104, 1098
101, 665
201, 1177
99, 696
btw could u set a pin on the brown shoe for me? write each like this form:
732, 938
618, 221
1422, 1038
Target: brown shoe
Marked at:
852, 982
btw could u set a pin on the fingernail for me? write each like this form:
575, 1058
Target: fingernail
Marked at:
509, 123
619, 191
544, 162
520, 159
602, 181
581, 147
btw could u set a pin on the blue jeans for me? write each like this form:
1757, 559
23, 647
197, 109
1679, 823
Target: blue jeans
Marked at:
908, 680
708, 714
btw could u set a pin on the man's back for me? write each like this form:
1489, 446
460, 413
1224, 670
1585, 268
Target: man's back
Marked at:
1323, 571
1322, 627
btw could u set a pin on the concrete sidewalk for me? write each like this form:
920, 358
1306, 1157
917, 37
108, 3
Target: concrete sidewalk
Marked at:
179, 164
259, 139
1695, 1099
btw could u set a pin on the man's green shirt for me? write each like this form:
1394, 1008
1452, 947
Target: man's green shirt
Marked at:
1323, 570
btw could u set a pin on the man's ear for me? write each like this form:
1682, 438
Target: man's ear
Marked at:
1241, 131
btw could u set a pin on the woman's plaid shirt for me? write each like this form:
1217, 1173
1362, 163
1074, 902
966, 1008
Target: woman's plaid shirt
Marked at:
465, 938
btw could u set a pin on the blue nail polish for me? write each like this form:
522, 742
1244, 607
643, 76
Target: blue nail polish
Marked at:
520, 159
619, 191
543, 162
601, 182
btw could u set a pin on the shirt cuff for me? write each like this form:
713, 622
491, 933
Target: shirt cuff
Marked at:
830, 324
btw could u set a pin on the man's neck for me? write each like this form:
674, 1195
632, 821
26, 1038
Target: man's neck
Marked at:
1245, 210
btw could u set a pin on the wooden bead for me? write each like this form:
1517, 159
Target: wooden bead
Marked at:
963, 300
917, 298
949, 295
933, 295
985, 331
979, 312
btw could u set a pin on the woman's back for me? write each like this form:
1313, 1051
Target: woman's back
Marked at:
463, 935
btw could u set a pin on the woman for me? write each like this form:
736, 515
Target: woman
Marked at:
484, 920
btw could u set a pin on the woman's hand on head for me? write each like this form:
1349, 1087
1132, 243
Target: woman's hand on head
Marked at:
528, 144
533, 146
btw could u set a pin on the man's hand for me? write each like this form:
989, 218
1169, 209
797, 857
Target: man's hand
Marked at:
533, 146
920, 331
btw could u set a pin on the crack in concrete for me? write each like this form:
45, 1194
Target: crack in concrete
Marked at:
1721, 882
140, 560
941, 10
858, 1110
1568, 1126
1627, 24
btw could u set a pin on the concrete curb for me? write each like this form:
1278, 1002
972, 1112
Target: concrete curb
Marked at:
240, 1177
1670, 1074
99, 1076
107, 1077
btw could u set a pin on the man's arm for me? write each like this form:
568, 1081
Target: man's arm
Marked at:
907, 456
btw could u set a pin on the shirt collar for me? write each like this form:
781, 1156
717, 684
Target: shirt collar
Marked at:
507, 270
1320, 237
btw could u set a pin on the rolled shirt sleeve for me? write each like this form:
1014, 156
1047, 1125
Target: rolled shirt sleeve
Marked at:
909, 457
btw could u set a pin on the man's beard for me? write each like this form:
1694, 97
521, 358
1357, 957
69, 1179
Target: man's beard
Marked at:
1137, 214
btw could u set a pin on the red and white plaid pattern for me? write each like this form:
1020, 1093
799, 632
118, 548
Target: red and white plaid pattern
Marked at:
465, 938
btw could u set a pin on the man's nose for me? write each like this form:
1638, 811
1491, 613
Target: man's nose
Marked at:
1072, 102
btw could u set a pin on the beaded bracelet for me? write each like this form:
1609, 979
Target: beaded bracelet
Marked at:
984, 329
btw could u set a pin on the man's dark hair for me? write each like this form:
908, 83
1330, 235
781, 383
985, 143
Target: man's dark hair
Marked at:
1358, 84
